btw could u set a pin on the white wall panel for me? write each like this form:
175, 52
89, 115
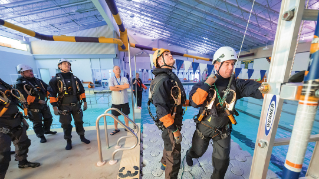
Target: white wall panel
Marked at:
10, 58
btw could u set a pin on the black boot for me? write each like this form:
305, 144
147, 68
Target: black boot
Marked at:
43, 139
68, 145
25, 164
220, 168
51, 132
83, 139
189, 159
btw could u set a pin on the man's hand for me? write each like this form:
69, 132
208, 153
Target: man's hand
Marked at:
85, 106
177, 136
134, 81
41, 101
211, 79
56, 111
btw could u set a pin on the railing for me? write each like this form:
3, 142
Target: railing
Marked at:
117, 147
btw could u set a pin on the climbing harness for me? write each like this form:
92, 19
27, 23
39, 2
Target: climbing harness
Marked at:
21, 98
177, 96
227, 106
6, 102
208, 107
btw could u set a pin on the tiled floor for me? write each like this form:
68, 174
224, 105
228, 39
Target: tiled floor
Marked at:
240, 161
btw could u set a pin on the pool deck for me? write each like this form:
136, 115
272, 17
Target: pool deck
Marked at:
240, 161
80, 162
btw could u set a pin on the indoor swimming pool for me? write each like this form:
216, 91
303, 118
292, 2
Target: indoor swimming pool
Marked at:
244, 133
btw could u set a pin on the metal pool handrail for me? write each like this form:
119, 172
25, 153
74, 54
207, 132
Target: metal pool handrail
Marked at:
102, 162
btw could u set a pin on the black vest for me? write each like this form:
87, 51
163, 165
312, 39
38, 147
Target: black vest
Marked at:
68, 88
154, 89
36, 87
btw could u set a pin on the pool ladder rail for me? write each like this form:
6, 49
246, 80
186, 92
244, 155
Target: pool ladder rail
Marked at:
117, 147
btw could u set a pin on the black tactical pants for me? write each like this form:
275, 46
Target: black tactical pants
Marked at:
171, 155
66, 118
220, 156
21, 142
36, 116
139, 98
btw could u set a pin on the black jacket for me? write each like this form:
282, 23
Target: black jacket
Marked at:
38, 90
72, 88
297, 77
163, 100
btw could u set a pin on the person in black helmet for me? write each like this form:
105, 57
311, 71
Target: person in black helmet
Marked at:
66, 96
168, 96
35, 91
216, 98
12, 128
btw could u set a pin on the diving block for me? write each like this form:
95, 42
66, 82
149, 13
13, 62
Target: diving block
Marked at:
138, 113
286, 141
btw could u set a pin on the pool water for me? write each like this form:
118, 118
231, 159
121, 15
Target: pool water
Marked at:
249, 110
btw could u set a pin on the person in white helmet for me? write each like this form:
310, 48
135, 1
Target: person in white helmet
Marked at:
36, 93
66, 96
216, 122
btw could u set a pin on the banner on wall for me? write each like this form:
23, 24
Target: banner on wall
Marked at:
250, 73
256, 74
179, 64
195, 66
237, 72
187, 64
244, 74
262, 74
202, 67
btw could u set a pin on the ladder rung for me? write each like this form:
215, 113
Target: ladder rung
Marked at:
285, 141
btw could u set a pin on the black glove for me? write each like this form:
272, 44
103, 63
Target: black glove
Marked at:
298, 77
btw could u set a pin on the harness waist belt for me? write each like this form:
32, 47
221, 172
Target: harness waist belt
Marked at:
4, 130
71, 104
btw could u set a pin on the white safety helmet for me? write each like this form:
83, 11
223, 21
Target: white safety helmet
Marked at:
63, 60
225, 53
23, 67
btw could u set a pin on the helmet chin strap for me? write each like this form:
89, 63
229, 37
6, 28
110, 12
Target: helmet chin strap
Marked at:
165, 63
219, 68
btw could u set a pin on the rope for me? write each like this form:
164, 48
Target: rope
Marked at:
299, 35
251, 10
183, 166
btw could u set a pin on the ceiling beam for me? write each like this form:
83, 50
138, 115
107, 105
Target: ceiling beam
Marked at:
105, 12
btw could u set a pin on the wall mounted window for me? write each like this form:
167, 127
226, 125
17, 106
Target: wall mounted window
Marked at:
11, 43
